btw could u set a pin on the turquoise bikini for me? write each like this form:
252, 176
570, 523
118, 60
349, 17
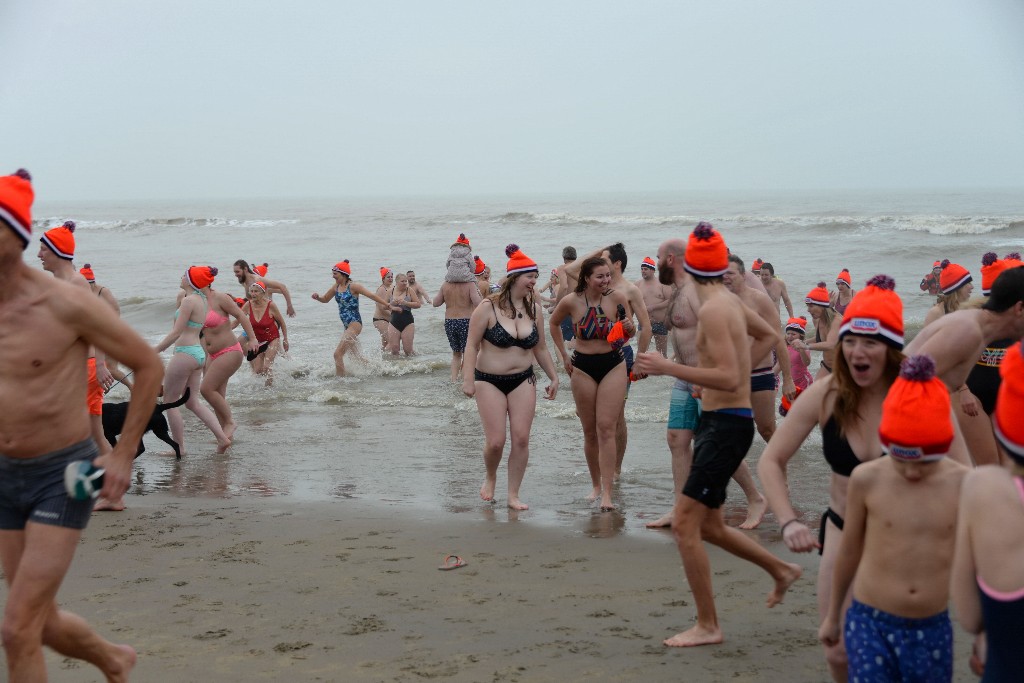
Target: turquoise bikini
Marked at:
195, 350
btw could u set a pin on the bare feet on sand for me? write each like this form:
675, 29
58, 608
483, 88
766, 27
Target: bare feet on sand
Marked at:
782, 584
487, 490
223, 446
229, 430
698, 635
595, 494
123, 661
107, 505
516, 504
755, 513
663, 522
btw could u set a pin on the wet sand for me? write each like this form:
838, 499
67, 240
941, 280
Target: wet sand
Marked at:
249, 589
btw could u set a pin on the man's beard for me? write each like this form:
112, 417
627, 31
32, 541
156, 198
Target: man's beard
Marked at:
666, 275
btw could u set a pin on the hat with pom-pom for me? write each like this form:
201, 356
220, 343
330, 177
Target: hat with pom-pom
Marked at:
261, 269
785, 405
797, 325
16, 197
201, 276
991, 267
953, 277
87, 273
819, 296
1006, 421
648, 262
240, 301
755, 267
342, 267
916, 422
518, 262
875, 311
384, 272
462, 239
61, 240
843, 277
706, 253
1013, 258
478, 266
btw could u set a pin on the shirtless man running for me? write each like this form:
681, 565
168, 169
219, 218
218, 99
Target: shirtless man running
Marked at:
725, 432
775, 288
48, 327
247, 276
657, 298
459, 299
685, 406
956, 340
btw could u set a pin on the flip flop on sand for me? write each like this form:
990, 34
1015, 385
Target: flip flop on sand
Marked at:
452, 562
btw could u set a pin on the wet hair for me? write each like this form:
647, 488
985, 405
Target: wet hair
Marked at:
769, 267
244, 265
587, 268
846, 408
617, 254
503, 297
733, 258
1006, 291
569, 254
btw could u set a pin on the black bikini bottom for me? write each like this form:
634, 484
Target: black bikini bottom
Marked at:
402, 320
506, 384
596, 365
829, 514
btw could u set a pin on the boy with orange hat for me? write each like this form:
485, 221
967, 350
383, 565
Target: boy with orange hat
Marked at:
724, 433
898, 540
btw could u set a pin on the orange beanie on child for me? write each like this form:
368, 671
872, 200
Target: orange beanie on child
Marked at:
916, 422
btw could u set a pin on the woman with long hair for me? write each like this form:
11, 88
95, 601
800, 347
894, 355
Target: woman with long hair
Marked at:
382, 312
847, 406
826, 332
184, 369
224, 353
956, 286
270, 328
346, 293
402, 329
506, 337
597, 370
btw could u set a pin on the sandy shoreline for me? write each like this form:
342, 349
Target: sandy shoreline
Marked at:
256, 589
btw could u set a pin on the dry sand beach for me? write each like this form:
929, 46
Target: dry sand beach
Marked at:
255, 589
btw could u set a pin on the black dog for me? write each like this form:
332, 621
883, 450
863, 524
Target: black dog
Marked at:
113, 423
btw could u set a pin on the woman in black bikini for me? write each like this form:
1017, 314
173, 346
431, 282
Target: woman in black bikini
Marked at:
847, 406
596, 370
506, 336
402, 327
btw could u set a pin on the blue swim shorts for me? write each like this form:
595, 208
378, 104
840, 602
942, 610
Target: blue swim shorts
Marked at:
883, 647
683, 408
32, 489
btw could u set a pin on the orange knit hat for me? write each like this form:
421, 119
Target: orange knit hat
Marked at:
87, 273
384, 272
201, 276
844, 277
706, 253
342, 267
991, 267
518, 262
462, 239
797, 325
1013, 260
61, 240
648, 262
478, 266
1006, 421
953, 277
755, 267
818, 296
16, 196
915, 414
260, 284
261, 270
875, 311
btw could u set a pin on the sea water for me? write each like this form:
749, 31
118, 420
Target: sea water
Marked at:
397, 432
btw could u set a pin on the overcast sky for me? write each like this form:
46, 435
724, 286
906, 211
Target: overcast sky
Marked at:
130, 100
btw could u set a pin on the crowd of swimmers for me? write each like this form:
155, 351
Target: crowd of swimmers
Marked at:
924, 436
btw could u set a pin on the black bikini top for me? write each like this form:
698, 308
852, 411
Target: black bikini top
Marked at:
838, 453
499, 336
